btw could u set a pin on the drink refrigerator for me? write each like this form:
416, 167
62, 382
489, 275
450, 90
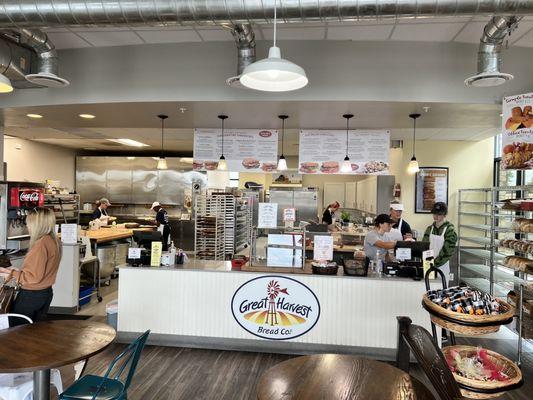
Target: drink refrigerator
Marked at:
304, 200
17, 199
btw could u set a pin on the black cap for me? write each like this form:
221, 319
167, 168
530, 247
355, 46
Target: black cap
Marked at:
383, 218
439, 208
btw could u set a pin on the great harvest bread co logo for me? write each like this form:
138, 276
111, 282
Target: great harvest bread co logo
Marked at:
275, 307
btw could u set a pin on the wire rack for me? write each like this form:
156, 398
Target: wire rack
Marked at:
209, 231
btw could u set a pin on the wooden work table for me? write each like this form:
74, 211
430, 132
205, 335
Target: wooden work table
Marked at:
103, 235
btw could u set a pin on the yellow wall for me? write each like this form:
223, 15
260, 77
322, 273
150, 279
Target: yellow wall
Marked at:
470, 166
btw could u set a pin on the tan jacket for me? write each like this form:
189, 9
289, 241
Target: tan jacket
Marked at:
40, 265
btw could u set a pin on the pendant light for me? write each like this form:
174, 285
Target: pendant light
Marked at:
5, 84
222, 165
274, 74
346, 164
162, 162
282, 162
413, 167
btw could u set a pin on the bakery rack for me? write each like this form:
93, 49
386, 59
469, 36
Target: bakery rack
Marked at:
485, 224
66, 207
209, 232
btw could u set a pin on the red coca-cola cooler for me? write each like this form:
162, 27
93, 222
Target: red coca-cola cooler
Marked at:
17, 199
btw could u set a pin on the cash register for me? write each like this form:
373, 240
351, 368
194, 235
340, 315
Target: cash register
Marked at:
144, 241
410, 263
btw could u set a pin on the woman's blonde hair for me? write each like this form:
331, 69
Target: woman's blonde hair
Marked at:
42, 222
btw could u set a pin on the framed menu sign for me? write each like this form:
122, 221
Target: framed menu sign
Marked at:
431, 186
517, 132
246, 150
323, 151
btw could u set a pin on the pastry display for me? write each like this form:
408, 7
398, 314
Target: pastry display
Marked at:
465, 300
250, 163
330, 167
519, 264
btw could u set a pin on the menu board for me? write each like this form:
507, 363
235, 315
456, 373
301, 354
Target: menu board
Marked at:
323, 151
268, 215
247, 150
517, 132
431, 187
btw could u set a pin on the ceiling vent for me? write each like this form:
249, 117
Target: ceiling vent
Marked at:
245, 41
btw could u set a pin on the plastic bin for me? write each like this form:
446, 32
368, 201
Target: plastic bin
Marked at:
85, 291
111, 309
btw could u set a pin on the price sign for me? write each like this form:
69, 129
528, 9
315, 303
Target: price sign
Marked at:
289, 214
323, 249
69, 233
268, 215
134, 253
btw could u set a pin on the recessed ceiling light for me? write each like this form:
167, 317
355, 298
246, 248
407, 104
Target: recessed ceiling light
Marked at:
128, 142
35, 116
87, 116
182, 110
130, 158
89, 148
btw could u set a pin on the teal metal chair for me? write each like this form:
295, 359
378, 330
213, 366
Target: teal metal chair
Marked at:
110, 386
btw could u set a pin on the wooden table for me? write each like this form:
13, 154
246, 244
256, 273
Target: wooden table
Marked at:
44, 345
339, 377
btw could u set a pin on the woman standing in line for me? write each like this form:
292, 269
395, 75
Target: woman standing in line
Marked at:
40, 267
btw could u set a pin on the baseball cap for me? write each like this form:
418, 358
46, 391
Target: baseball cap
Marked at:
439, 208
155, 204
103, 200
383, 218
396, 206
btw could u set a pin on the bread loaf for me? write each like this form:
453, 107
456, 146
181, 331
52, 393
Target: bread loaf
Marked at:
519, 264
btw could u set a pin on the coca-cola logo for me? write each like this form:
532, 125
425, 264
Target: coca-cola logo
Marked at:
29, 196
265, 134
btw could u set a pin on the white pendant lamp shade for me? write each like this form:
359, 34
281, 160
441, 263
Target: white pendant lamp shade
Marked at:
346, 165
222, 165
5, 84
282, 164
413, 167
274, 74
162, 163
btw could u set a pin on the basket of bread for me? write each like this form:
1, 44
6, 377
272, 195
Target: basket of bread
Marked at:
482, 373
462, 309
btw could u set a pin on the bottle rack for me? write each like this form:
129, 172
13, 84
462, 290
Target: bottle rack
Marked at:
483, 224
66, 207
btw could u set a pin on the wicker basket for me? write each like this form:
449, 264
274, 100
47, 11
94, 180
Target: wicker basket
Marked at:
331, 270
508, 367
468, 324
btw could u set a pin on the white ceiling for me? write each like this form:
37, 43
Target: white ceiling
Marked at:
451, 29
138, 121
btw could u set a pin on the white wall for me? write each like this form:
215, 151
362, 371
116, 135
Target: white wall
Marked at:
337, 70
36, 162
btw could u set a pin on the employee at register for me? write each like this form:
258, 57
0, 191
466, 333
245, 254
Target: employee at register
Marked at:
376, 241
329, 214
161, 219
101, 211
400, 228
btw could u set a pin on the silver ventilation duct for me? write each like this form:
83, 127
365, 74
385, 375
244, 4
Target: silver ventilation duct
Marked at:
245, 41
489, 55
16, 14
13, 64
47, 59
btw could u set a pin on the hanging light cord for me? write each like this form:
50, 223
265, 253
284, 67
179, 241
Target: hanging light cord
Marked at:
222, 138
414, 135
275, 18
162, 130
347, 128
282, 134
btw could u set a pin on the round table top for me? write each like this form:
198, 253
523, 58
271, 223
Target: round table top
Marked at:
340, 377
51, 344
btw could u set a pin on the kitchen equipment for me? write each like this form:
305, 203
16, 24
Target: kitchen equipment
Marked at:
304, 200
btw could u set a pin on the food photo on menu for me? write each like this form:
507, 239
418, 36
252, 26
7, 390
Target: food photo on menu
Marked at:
517, 127
251, 163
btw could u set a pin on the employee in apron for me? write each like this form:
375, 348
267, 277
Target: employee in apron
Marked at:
400, 228
101, 211
161, 219
442, 238
328, 217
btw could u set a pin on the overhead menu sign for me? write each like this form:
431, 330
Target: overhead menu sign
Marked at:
517, 132
323, 151
245, 150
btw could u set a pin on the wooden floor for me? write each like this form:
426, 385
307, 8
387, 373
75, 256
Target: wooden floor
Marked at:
191, 374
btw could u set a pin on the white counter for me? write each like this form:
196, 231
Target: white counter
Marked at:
191, 307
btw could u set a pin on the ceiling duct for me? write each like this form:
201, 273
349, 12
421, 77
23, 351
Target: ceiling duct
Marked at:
13, 62
245, 41
16, 14
47, 59
489, 58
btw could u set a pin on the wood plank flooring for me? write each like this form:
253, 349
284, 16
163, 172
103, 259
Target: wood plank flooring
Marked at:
169, 373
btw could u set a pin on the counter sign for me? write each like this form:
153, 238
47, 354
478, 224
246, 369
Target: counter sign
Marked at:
275, 307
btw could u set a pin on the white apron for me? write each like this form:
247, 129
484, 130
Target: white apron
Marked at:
436, 243
161, 228
395, 234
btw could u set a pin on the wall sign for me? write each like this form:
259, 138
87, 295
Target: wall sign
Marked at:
289, 214
275, 307
322, 151
246, 150
431, 186
267, 215
517, 132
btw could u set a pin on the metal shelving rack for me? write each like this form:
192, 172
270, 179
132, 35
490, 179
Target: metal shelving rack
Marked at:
209, 230
482, 224
66, 207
